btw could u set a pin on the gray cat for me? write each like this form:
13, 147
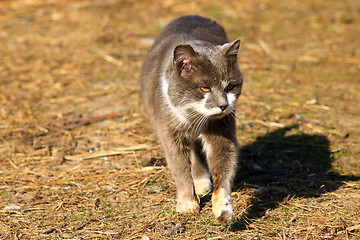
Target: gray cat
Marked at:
190, 82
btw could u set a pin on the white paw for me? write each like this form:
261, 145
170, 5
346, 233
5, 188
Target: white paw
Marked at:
187, 207
222, 206
202, 186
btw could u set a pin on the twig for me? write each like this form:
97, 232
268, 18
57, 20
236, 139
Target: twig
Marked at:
199, 236
65, 125
264, 46
116, 151
13, 164
76, 122
298, 117
269, 124
107, 57
87, 223
76, 234
293, 218
337, 59
51, 230
90, 177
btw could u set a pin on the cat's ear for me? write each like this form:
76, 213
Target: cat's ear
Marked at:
231, 49
185, 60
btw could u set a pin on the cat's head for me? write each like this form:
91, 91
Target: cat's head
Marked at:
205, 79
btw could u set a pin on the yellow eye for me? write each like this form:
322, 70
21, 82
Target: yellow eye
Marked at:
205, 89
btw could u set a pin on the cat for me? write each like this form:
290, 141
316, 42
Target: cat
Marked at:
190, 82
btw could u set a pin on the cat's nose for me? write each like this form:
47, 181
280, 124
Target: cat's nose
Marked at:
223, 107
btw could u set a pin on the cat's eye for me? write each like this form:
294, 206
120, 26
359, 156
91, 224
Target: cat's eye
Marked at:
230, 87
205, 89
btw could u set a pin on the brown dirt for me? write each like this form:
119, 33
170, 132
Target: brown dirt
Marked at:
73, 134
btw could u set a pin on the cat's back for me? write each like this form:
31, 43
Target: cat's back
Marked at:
183, 30
195, 27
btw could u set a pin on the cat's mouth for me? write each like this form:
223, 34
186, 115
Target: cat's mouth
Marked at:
198, 120
196, 117
220, 115
205, 116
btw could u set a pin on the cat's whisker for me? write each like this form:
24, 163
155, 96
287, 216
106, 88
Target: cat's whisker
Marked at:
197, 124
233, 114
241, 119
194, 122
192, 114
241, 112
191, 125
200, 123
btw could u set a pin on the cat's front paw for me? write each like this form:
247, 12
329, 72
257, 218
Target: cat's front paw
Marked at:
222, 206
202, 186
187, 207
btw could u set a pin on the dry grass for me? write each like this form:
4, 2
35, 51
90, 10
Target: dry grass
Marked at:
73, 135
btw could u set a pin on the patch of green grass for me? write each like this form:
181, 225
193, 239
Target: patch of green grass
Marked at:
77, 217
340, 153
346, 18
215, 11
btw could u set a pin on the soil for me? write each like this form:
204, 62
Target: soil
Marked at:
79, 159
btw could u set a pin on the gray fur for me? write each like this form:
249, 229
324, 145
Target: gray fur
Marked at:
196, 128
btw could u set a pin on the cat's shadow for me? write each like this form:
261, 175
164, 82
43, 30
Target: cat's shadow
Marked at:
284, 164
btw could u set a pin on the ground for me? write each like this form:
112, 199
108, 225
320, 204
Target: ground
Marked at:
74, 135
